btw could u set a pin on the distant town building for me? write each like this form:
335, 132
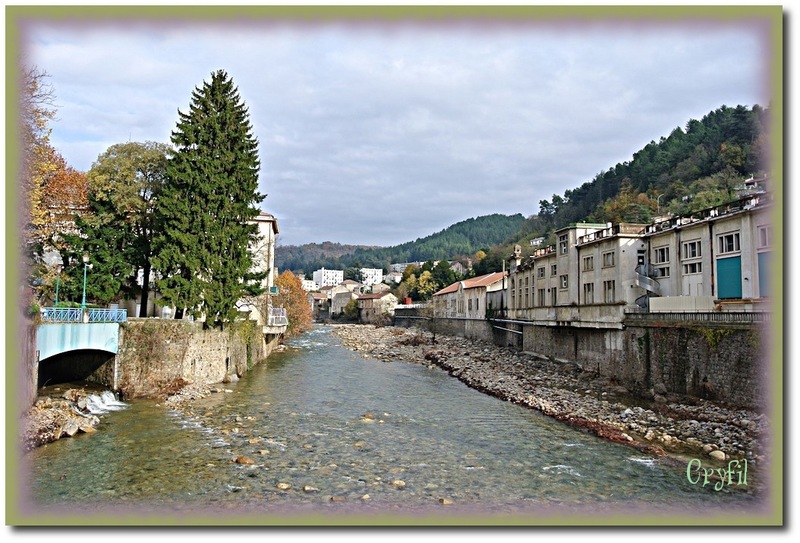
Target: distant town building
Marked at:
374, 308
309, 285
401, 266
325, 278
393, 277
371, 276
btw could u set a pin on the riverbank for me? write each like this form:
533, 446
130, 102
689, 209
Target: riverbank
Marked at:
674, 427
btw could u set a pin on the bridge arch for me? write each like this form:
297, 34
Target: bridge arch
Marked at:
55, 339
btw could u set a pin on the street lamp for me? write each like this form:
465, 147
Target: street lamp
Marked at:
85, 265
58, 283
658, 203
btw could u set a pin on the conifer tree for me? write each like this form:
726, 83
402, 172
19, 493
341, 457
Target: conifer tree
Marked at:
206, 207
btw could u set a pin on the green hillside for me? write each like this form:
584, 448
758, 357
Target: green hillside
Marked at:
462, 239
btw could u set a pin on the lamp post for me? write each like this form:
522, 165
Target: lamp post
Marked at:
58, 283
658, 203
85, 266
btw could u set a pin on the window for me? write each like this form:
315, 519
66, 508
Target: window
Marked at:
469, 304
542, 298
554, 296
693, 267
563, 244
588, 293
526, 297
588, 263
608, 259
563, 281
540, 272
691, 249
553, 270
764, 236
661, 255
608, 291
729, 243
663, 271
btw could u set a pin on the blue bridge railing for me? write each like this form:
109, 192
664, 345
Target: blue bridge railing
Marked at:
75, 314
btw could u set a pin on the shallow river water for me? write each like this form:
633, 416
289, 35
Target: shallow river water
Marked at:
335, 436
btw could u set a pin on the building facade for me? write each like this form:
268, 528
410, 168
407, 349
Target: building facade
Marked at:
328, 278
371, 276
376, 308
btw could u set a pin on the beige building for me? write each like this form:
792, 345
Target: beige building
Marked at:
715, 259
376, 307
467, 299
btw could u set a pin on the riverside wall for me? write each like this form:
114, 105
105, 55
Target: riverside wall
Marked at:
716, 361
156, 355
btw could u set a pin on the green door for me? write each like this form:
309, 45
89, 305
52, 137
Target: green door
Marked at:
729, 277
763, 274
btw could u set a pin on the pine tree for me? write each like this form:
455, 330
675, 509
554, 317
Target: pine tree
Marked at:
207, 204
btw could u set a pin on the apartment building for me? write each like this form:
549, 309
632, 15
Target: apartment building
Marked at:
328, 278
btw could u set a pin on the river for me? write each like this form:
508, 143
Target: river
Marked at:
332, 435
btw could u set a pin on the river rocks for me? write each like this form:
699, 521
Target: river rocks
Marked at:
51, 419
656, 421
246, 460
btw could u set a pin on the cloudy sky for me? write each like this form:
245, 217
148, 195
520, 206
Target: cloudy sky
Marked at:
380, 132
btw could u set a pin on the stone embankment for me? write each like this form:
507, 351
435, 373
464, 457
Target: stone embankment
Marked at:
51, 419
664, 425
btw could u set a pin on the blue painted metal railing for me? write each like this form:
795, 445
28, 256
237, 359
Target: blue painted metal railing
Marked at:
75, 314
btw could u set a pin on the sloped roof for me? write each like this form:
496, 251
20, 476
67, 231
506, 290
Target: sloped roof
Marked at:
374, 296
480, 281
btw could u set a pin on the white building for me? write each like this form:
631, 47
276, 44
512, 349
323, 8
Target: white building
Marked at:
371, 276
309, 285
328, 278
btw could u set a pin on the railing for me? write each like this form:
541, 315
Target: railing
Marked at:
715, 316
76, 314
277, 317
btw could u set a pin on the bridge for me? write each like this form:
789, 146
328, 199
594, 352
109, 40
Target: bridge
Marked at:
72, 329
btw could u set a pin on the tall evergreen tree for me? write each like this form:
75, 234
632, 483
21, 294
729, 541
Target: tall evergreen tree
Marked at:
207, 204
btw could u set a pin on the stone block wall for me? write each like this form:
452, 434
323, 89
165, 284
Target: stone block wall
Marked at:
154, 353
717, 361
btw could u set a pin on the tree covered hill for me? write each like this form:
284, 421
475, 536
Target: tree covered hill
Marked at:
692, 168
461, 239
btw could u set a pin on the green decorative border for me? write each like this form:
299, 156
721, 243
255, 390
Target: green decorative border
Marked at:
16, 18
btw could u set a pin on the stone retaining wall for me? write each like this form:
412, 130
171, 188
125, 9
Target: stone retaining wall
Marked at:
156, 353
715, 361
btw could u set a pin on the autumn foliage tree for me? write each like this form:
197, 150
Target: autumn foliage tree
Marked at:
52, 191
294, 299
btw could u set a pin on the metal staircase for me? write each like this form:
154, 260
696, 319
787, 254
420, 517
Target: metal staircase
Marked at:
646, 275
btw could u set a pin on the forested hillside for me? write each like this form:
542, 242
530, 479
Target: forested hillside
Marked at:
461, 239
688, 170
702, 163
